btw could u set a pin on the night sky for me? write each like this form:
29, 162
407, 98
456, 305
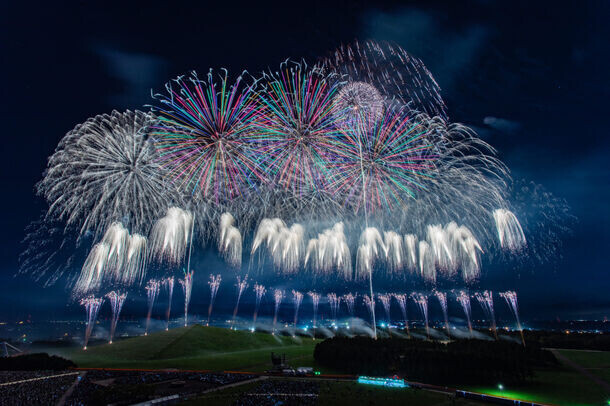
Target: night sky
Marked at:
532, 79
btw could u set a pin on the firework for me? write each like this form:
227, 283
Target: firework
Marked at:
333, 301
285, 245
187, 286
426, 262
107, 170
260, 292
371, 248
379, 166
393, 251
152, 291
464, 300
370, 306
315, 300
117, 299
357, 99
385, 301
241, 286
297, 298
486, 300
169, 284
229, 241
171, 235
329, 252
511, 300
410, 250
92, 307
349, 300
402, 303
278, 296
382, 73
214, 285
510, 232
298, 128
421, 300
442, 300
206, 136
119, 259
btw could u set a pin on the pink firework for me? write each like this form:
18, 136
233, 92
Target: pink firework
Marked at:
241, 286
297, 298
442, 300
401, 298
333, 301
117, 299
464, 300
169, 284
260, 292
421, 300
278, 296
315, 300
385, 301
511, 300
92, 307
486, 300
214, 284
152, 291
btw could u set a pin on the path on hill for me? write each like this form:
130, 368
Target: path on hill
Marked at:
231, 385
66, 395
581, 369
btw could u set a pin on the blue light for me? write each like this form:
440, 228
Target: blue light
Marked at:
389, 382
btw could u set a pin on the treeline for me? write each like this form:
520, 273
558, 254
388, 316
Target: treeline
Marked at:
573, 340
458, 362
34, 362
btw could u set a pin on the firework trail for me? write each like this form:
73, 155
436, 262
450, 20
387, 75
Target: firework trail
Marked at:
315, 300
169, 284
510, 232
385, 301
206, 136
381, 74
329, 252
187, 286
486, 300
171, 235
511, 300
152, 291
284, 245
421, 300
370, 306
297, 298
349, 300
278, 296
299, 127
333, 301
92, 307
230, 241
410, 251
241, 286
119, 259
107, 170
117, 299
214, 283
371, 246
260, 292
464, 300
402, 303
442, 300
393, 251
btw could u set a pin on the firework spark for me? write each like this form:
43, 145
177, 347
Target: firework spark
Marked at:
152, 291
241, 286
486, 300
442, 300
260, 292
278, 296
315, 300
214, 285
230, 241
92, 306
463, 299
401, 298
511, 300
421, 300
117, 299
187, 287
385, 301
169, 284
297, 298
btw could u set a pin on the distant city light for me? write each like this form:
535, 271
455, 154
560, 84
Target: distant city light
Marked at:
389, 382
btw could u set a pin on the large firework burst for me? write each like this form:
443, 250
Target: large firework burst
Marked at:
205, 136
107, 170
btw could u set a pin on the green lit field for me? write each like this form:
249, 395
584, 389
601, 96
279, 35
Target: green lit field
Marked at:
196, 347
344, 393
564, 386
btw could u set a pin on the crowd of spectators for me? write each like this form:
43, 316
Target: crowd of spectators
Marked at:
109, 386
45, 391
281, 392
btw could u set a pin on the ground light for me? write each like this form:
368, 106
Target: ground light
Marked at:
388, 382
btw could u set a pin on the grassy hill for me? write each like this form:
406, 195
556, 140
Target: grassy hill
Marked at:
195, 347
